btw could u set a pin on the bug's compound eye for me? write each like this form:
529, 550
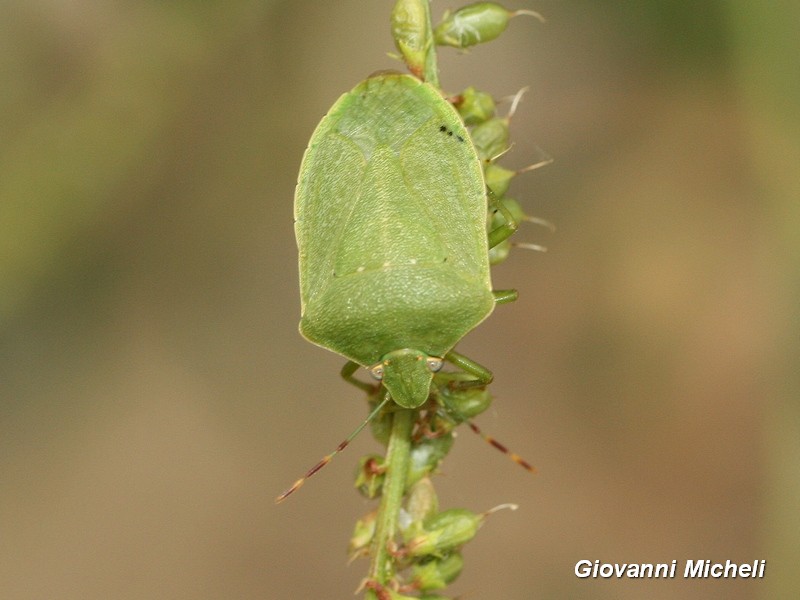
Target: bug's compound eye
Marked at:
434, 364
376, 371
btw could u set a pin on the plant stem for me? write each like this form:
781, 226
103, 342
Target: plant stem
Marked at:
431, 69
398, 456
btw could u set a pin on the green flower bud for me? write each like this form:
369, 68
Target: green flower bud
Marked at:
474, 107
498, 178
437, 573
411, 34
370, 473
426, 454
422, 502
491, 138
475, 24
444, 532
362, 536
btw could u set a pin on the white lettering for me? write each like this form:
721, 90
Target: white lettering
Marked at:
734, 568
761, 568
664, 570
606, 570
694, 568
583, 568
697, 569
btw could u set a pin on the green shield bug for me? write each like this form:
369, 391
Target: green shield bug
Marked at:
390, 220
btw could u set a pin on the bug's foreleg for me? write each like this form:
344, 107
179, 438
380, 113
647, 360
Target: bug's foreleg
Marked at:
504, 296
483, 376
510, 223
348, 372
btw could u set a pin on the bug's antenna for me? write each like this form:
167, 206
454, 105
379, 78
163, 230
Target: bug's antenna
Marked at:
513, 456
297, 484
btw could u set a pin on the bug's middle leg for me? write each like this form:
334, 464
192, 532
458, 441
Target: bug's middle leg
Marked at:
497, 236
348, 372
510, 223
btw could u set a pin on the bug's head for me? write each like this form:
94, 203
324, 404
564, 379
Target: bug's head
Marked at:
407, 374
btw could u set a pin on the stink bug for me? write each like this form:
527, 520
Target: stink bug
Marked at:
390, 213
390, 219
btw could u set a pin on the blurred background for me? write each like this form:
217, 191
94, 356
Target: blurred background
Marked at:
155, 395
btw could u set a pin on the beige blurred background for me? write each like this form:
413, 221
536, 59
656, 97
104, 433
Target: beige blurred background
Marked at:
155, 394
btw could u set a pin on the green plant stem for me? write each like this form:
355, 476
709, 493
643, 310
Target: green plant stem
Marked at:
398, 456
431, 69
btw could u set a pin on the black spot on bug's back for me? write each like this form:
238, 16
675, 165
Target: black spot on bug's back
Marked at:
449, 132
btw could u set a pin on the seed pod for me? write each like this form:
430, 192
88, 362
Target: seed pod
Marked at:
370, 474
475, 24
422, 502
474, 107
444, 532
498, 178
491, 138
411, 34
362, 536
426, 454
437, 573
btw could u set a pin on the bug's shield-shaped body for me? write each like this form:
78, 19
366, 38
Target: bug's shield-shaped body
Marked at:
390, 218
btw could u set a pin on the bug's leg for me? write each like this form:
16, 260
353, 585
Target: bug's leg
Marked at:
461, 404
483, 376
510, 223
348, 372
505, 217
504, 296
